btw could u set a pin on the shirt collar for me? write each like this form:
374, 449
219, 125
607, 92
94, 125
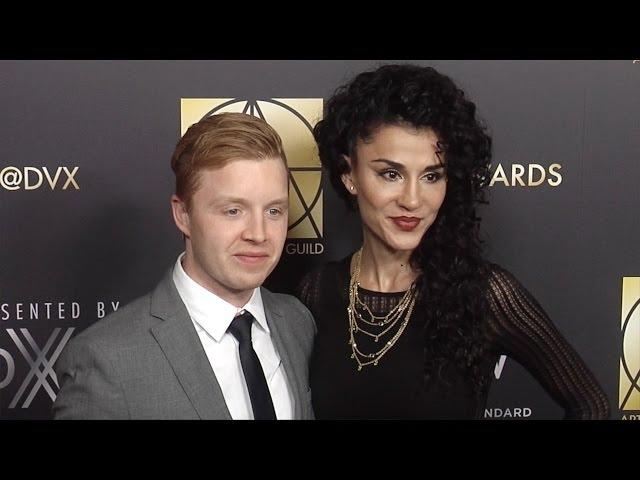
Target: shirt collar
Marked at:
210, 312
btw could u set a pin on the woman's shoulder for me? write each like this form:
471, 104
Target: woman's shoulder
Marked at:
500, 280
322, 278
324, 269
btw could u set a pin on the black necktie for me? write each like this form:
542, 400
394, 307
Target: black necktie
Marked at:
254, 376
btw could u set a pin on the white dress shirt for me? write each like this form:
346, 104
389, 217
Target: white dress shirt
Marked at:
211, 316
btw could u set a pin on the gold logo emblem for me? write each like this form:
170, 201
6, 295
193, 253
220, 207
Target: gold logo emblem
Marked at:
629, 395
293, 119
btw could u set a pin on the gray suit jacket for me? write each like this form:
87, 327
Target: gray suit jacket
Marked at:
145, 361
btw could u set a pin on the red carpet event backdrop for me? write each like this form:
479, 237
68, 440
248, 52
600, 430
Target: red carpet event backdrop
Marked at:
86, 226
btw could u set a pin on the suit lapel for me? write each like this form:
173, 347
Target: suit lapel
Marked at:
179, 341
282, 337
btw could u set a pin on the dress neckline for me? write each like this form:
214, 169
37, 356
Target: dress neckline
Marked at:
346, 264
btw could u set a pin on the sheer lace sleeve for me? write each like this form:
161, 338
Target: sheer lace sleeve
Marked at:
308, 291
519, 328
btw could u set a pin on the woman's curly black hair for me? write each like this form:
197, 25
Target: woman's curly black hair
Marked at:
453, 278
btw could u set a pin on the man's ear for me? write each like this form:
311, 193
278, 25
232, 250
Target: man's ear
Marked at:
181, 215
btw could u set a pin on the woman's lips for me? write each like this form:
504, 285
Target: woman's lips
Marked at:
406, 223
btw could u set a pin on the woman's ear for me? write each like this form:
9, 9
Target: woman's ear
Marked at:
347, 177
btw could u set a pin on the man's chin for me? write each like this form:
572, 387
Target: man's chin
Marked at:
249, 283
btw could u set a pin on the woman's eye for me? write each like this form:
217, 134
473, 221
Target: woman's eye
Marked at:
432, 177
390, 175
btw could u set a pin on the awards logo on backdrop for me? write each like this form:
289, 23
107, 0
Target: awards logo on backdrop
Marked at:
629, 392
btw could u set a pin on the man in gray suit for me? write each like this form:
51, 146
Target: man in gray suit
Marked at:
209, 342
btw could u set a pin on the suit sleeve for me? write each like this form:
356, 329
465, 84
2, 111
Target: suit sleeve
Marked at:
310, 415
89, 388
306, 341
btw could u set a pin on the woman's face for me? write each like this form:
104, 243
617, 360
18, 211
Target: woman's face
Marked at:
399, 180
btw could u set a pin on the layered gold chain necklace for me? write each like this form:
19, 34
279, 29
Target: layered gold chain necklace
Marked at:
363, 321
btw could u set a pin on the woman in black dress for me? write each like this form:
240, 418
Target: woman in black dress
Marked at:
411, 324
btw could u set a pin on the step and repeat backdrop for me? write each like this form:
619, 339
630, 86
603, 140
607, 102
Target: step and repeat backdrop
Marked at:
85, 181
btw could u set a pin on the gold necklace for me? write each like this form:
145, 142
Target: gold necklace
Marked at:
401, 313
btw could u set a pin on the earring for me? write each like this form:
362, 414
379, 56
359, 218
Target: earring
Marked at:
351, 188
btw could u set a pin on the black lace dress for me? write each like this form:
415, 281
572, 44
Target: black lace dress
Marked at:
395, 388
